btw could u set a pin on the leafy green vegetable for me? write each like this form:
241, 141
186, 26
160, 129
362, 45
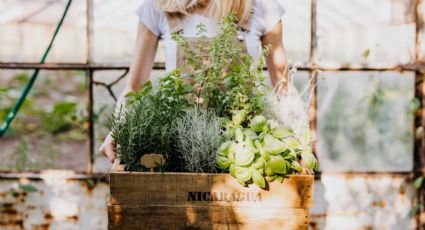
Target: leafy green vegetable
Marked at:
281, 132
243, 173
278, 165
258, 179
225, 148
258, 123
222, 162
244, 156
309, 159
273, 145
265, 152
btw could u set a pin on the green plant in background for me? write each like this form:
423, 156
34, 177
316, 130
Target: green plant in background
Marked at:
199, 134
61, 118
264, 151
21, 158
42, 120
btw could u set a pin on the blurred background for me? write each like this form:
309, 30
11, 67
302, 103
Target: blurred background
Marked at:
367, 111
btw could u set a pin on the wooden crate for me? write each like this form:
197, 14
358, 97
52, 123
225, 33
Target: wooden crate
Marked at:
206, 201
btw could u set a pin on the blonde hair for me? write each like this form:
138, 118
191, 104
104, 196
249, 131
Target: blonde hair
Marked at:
216, 9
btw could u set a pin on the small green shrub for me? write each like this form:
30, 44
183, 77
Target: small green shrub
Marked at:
199, 134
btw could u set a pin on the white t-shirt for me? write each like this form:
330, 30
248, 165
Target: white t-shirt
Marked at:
267, 13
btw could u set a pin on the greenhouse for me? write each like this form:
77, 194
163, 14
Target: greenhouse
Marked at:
217, 152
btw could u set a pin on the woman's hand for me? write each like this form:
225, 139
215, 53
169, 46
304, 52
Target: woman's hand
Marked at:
108, 148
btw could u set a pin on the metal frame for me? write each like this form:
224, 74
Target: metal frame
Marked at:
418, 67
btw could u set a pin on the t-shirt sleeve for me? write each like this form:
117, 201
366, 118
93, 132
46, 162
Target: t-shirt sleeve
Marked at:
270, 12
150, 16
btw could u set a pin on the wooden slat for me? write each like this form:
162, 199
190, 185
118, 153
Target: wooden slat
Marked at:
201, 217
220, 190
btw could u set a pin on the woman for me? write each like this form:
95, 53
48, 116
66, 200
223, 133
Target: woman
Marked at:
260, 23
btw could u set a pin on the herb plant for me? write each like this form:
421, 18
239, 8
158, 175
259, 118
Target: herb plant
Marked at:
227, 80
199, 134
265, 151
146, 123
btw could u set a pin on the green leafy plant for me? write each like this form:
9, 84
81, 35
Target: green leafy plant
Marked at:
199, 134
264, 151
20, 159
146, 123
226, 80
61, 118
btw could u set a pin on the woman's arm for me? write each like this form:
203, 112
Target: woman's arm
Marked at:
141, 66
276, 60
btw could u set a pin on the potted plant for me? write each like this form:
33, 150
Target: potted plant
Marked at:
199, 154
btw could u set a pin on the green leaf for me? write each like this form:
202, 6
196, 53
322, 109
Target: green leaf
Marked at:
269, 171
239, 135
232, 170
244, 156
296, 166
225, 148
146, 88
231, 158
222, 162
279, 178
282, 132
28, 188
272, 145
291, 143
258, 179
243, 173
241, 182
418, 182
238, 117
257, 123
278, 165
250, 136
259, 163
309, 159
270, 178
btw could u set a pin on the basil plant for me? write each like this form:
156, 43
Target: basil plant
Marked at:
264, 151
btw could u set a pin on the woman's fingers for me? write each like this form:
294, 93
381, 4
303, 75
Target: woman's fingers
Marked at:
110, 153
108, 148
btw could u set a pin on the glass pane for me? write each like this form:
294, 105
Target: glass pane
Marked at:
373, 32
365, 121
54, 112
296, 24
26, 28
352, 202
116, 23
301, 82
